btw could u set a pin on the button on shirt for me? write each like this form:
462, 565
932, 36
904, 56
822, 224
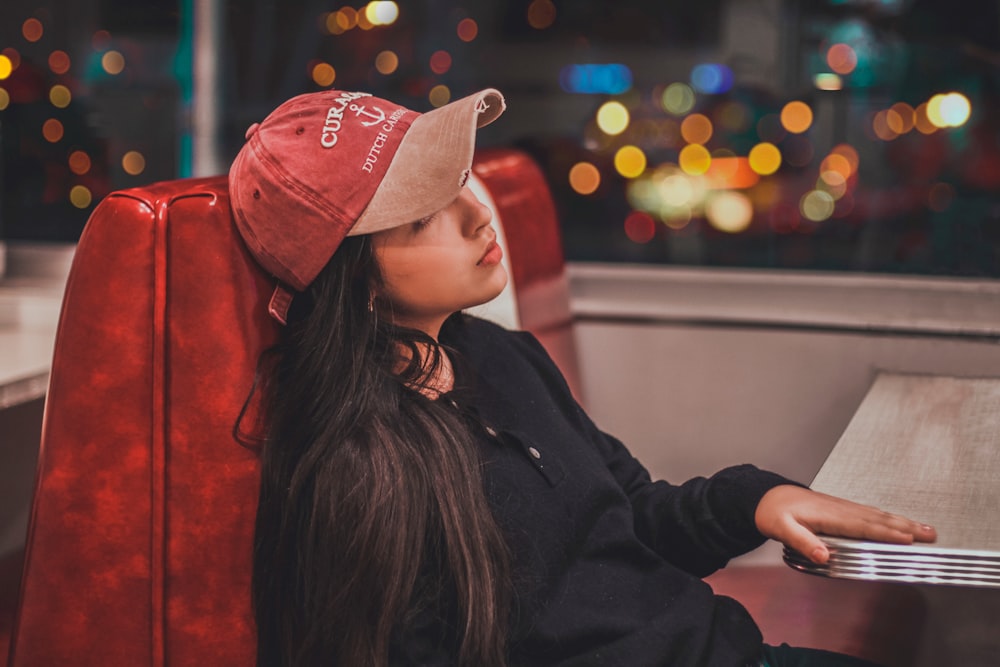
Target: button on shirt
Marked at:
606, 563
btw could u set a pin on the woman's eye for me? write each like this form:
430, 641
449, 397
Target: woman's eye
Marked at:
423, 222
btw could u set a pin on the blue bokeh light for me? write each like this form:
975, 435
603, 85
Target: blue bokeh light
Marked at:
610, 79
711, 78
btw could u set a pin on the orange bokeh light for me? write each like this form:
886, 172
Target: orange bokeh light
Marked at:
52, 130
32, 30
467, 30
59, 62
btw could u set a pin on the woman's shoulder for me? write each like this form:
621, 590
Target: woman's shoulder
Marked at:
469, 332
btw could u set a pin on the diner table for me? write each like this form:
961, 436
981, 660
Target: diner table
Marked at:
926, 447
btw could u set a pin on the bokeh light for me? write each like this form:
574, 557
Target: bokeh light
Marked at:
382, 13
832, 182
841, 58
640, 227
816, 205
134, 163
4, 99
849, 153
363, 21
58, 62
467, 30
584, 178
80, 196
6, 67
541, 14
923, 123
696, 129
836, 163
630, 161
729, 212
731, 173
612, 118
678, 99
828, 81
113, 62
711, 78
796, 117
386, 62
694, 159
765, 158
955, 109
79, 163
52, 130
32, 30
607, 79
440, 62
341, 21
60, 96
881, 128
901, 118
323, 74
439, 95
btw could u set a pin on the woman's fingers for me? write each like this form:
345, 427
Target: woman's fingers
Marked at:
795, 516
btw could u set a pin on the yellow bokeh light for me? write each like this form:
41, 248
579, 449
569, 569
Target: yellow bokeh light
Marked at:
32, 30
841, 58
765, 158
467, 30
134, 163
796, 117
6, 67
696, 129
52, 130
60, 96
439, 96
584, 178
612, 118
80, 196
386, 62
79, 163
678, 99
113, 62
817, 205
729, 212
630, 161
382, 13
4, 99
541, 14
323, 74
694, 159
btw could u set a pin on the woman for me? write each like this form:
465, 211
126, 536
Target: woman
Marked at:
431, 494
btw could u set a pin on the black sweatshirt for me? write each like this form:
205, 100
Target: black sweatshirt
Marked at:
607, 564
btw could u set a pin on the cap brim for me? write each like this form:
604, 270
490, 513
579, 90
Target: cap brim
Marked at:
431, 164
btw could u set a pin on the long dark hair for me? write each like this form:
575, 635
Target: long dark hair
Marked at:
371, 502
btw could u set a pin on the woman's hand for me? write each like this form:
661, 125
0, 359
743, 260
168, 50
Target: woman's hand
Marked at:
794, 516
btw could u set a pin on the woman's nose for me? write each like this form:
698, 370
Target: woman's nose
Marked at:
477, 214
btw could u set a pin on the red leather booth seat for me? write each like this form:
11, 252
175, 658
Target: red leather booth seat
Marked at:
139, 544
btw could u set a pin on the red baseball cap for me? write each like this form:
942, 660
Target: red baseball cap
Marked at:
331, 164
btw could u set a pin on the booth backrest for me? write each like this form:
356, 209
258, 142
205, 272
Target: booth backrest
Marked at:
139, 543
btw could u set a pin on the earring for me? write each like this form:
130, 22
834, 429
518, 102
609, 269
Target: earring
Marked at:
371, 302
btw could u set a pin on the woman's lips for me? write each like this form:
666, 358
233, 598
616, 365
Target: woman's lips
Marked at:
492, 256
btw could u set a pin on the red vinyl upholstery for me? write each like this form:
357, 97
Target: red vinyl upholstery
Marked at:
139, 544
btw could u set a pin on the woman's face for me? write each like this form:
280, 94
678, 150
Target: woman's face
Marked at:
441, 264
